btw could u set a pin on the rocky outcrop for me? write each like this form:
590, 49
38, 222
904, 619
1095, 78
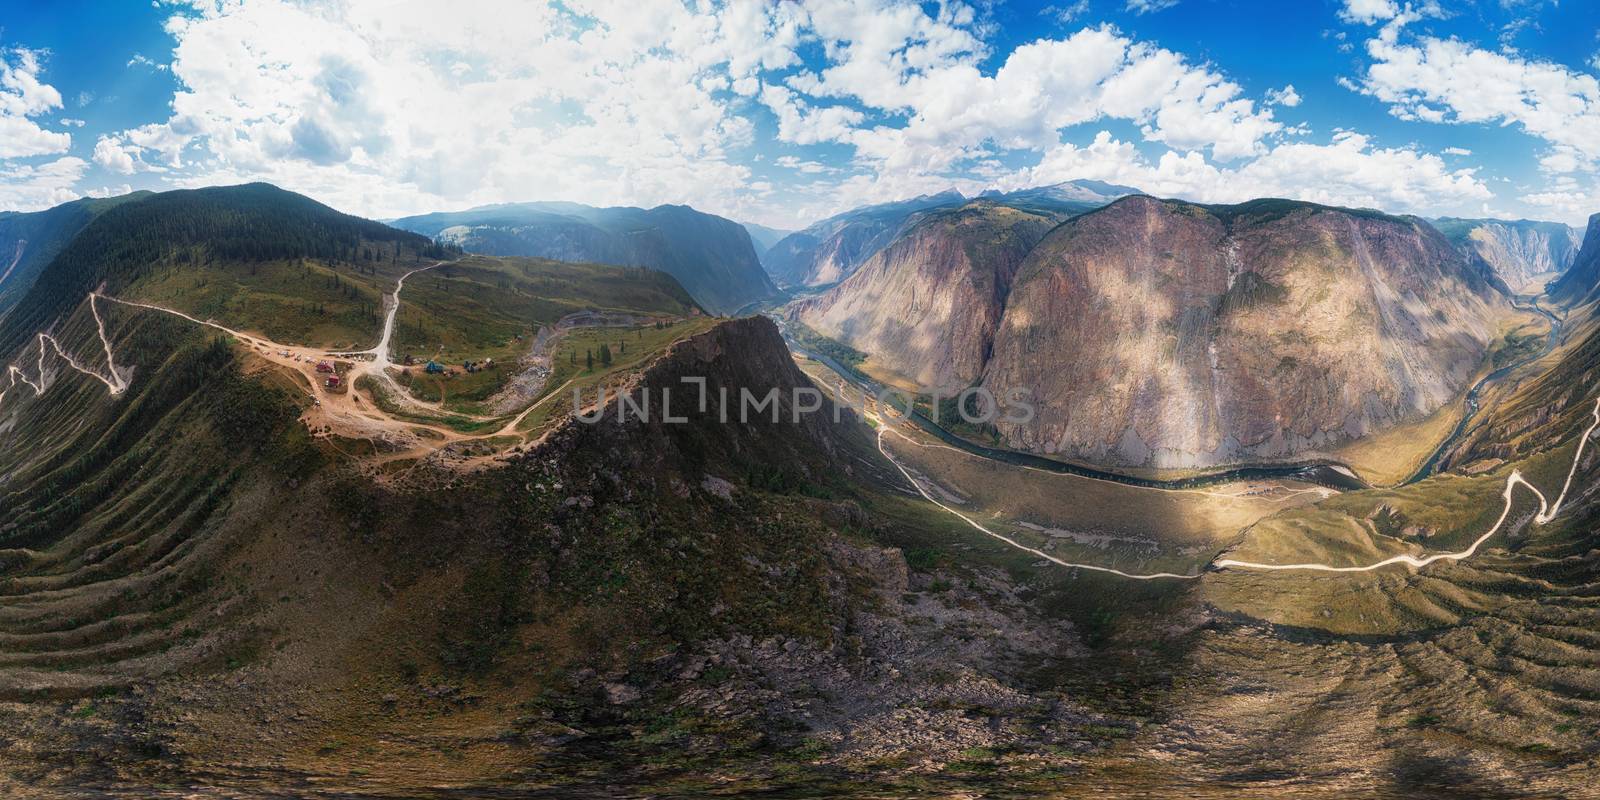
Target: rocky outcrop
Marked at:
930, 303
1523, 253
1159, 333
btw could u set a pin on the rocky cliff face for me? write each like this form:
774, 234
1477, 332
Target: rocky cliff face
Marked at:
1522, 252
830, 250
930, 302
1581, 281
1163, 334
712, 257
1158, 333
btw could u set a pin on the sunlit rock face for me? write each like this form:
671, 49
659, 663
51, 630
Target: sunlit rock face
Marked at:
928, 305
1164, 334
1581, 282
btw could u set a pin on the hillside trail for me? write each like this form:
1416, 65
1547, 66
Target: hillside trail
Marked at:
15, 372
380, 363
346, 413
1547, 512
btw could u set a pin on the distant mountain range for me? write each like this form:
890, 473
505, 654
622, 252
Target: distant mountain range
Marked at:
764, 237
1524, 253
714, 258
829, 251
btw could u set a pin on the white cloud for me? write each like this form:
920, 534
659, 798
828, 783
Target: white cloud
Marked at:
800, 123
142, 60
387, 107
1562, 160
1348, 171
26, 187
391, 108
802, 165
1066, 12
1149, 6
951, 110
109, 191
1367, 12
1573, 204
1457, 151
22, 97
111, 153
1286, 97
1455, 82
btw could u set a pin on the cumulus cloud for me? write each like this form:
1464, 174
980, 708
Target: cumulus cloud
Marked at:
947, 109
1347, 171
1452, 81
22, 98
111, 153
1286, 97
1367, 12
27, 187
389, 108
395, 110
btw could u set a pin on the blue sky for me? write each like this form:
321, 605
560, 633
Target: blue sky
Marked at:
782, 113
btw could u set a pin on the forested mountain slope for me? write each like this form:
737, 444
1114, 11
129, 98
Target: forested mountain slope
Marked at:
29, 241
